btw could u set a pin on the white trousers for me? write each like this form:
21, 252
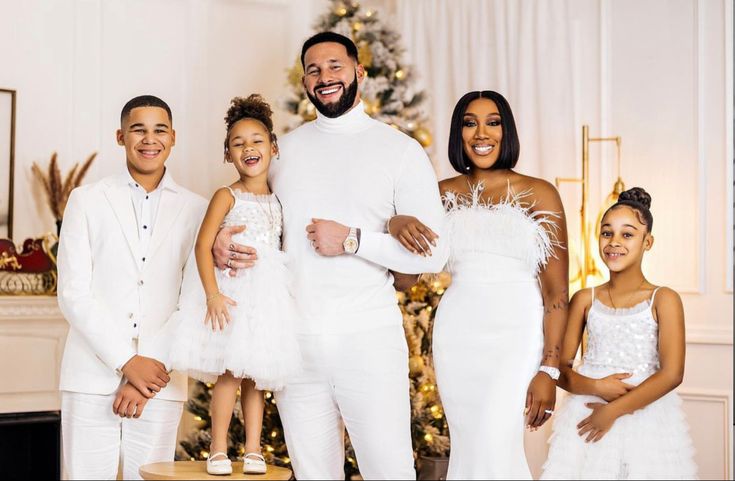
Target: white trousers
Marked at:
358, 381
95, 440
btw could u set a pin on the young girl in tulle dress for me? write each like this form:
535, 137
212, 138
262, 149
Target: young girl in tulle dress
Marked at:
622, 419
238, 330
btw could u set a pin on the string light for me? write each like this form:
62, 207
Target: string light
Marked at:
428, 438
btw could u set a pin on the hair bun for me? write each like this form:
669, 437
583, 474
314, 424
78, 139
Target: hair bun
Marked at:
637, 195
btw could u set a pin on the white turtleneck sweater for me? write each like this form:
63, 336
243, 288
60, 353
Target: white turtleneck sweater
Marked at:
359, 172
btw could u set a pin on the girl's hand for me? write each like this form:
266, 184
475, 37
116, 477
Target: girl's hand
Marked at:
612, 387
217, 312
540, 400
412, 234
597, 424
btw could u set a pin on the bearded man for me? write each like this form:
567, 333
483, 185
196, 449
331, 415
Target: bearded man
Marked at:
340, 178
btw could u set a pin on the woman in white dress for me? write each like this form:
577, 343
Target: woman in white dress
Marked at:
499, 327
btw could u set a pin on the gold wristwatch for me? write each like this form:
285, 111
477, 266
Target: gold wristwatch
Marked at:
351, 243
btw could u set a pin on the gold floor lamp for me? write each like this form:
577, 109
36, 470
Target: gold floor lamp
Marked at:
588, 267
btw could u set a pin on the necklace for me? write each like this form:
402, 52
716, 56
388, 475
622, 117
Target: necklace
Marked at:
269, 215
627, 300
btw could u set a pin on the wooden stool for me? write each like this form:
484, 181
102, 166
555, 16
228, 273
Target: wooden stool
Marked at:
198, 470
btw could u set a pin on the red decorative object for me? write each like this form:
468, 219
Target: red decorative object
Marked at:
30, 272
33, 258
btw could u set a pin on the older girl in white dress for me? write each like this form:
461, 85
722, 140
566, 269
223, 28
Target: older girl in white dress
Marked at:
623, 420
499, 326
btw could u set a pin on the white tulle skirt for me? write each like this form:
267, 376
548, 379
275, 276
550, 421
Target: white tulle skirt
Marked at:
260, 342
651, 443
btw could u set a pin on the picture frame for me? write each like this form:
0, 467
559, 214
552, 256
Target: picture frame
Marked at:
8, 100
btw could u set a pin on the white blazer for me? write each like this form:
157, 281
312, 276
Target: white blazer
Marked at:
103, 290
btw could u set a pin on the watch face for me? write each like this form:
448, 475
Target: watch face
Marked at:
350, 246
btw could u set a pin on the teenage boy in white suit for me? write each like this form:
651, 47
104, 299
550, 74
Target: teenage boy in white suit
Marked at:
124, 250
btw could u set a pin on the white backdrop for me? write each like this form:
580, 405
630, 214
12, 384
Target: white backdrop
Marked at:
521, 49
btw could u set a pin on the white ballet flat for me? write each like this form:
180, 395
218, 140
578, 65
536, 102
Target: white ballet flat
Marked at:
220, 466
253, 463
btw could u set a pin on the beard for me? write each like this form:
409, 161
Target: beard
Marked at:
336, 109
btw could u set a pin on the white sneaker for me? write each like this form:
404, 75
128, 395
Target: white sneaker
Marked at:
221, 466
253, 463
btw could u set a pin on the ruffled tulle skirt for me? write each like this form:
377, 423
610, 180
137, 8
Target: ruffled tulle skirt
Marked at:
651, 443
260, 341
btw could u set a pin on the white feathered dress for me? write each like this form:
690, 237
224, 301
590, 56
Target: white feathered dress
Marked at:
488, 332
260, 342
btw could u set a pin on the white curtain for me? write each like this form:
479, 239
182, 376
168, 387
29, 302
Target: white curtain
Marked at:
520, 48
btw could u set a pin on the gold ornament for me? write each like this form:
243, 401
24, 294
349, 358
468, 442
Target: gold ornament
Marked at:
357, 26
400, 74
428, 438
423, 136
372, 106
365, 55
436, 411
296, 73
306, 110
340, 9
418, 292
369, 13
416, 365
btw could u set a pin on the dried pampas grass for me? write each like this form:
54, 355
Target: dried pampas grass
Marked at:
58, 190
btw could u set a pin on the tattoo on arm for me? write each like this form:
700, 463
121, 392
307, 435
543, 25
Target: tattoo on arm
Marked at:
556, 306
561, 303
551, 355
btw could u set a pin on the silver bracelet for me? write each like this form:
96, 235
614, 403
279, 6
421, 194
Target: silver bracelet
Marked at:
553, 372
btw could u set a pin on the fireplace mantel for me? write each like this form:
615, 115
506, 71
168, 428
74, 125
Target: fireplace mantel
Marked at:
32, 335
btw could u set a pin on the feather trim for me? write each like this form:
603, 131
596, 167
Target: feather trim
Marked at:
508, 227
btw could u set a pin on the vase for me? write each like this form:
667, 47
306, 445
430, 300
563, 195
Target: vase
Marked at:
432, 467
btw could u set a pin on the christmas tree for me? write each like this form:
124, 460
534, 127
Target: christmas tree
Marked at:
388, 96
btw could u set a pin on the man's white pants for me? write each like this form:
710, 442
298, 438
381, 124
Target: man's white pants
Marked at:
356, 380
95, 440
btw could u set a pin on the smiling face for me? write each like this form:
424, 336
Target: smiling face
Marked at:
623, 238
331, 78
249, 148
147, 136
482, 133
